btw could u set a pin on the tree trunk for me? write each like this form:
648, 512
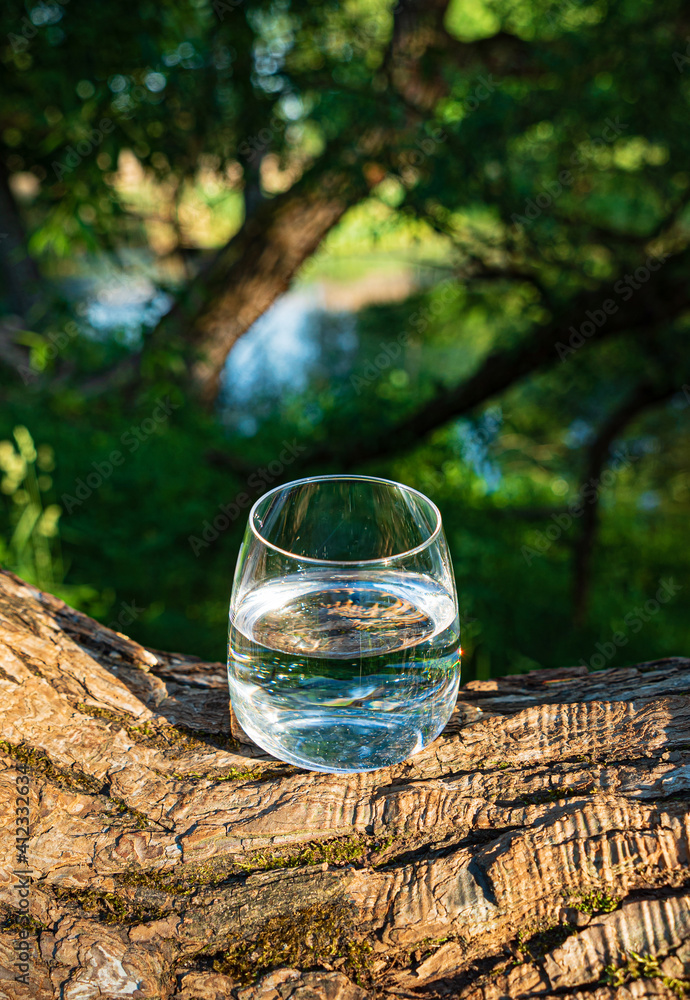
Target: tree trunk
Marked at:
259, 263
251, 271
645, 395
19, 275
536, 848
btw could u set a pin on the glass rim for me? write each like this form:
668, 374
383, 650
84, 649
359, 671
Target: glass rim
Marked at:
343, 476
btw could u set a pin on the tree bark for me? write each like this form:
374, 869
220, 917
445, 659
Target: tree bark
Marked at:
542, 839
259, 263
252, 270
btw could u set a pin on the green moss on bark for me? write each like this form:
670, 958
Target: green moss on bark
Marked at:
111, 908
304, 939
38, 761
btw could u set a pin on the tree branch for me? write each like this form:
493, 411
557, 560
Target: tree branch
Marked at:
253, 269
652, 305
645, 395
663, 229
419, 24
657, 303
259, 263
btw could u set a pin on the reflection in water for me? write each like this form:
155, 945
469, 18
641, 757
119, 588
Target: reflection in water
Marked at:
473, 439
305, 345
296, 344
117, 300
127, 305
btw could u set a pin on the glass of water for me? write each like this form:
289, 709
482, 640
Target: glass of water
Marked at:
344, 645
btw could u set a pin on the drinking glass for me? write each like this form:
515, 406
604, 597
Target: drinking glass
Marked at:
344, 644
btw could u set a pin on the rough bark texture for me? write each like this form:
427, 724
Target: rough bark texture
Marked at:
535, 849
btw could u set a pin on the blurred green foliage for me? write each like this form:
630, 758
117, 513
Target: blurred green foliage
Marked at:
30, 547
196, 105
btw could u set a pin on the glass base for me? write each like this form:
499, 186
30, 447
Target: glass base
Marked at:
328, 743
